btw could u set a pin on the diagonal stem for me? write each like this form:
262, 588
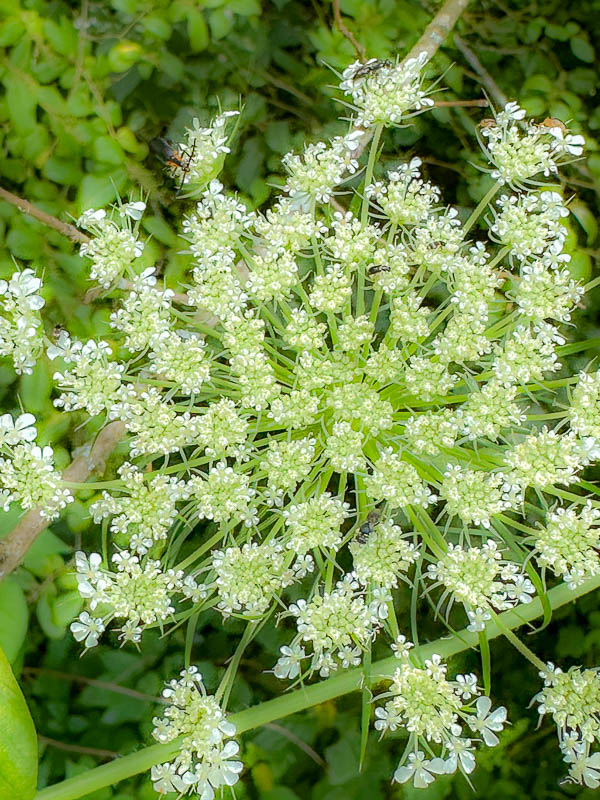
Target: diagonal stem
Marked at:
301, 699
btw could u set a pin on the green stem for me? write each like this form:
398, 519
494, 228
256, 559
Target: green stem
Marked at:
518, 644
480, 207
364, 211
308, 696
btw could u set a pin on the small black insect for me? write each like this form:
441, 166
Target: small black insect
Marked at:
377, 268
366, 529
370, 66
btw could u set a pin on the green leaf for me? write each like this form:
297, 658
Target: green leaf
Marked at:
44, 614
66, 607
586, 219
42, 552
37, 387
197, 30
96, 191
18, 742
14, 617
11, 31
246, 8
558, 32
21, 102
583, 50
580, 266
221, 21
25, 243
161, 230
108, 151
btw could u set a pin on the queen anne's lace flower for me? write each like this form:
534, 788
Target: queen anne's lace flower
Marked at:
397, 482
223, 494
573, 699
584, 412
405, 198
21, 330
248, 577
28, 477
383, 556
333, 623
207, 755
286, 463
518, 156
530, 223
363, 353
383, 93
147, 509
113, 248
205, 148
475, 495
479, 578
569, 542
545, 458
315, 523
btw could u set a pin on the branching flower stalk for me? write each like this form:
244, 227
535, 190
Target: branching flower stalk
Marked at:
374, 392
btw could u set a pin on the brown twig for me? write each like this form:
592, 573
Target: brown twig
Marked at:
107, 685
339, 23
77, 748
70, 231
297, 741
485, 78
14, 546
481, 103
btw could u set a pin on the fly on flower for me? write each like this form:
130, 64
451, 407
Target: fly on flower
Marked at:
366, 529
552, 122
377, 268
177, 159
370, 66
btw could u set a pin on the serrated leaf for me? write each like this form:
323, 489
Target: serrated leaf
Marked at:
18, 742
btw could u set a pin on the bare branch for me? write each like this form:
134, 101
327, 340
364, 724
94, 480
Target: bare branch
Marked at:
70, 231
485, 78
438, 29
339, 23
77, 748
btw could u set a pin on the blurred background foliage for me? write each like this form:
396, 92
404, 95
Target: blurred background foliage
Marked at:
85, 88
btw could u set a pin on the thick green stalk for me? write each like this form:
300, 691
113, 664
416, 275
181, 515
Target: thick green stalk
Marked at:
301, 699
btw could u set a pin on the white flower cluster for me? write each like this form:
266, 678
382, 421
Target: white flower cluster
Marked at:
383, 93
21, 330
569, 542
480, 579
325, 362
208, 756
114, 245
139, 592
201, 158
573, 700
518, 155
27, 474
338, 625
249, 577
145, 513
435, 710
